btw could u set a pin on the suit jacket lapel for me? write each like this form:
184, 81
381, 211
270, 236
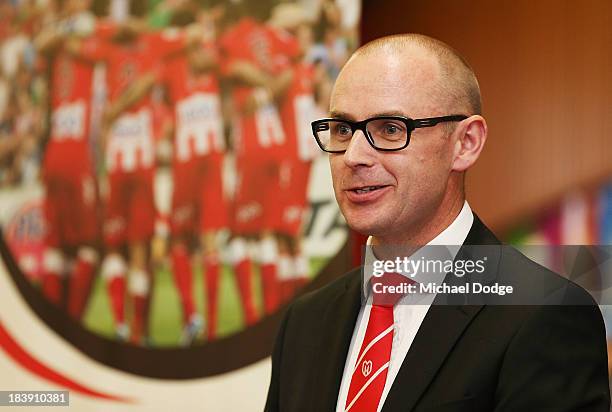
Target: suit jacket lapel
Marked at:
438, 333
337, 325
441, 328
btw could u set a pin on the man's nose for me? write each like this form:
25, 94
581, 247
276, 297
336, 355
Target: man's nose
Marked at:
359, 151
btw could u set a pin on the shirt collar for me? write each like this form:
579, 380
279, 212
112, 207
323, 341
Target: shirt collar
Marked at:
452, 237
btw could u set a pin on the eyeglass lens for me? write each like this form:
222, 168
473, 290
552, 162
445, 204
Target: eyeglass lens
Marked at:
336, 135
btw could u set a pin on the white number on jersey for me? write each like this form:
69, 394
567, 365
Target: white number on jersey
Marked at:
305, 113
130, 144
199, 126
269, 127
69, 121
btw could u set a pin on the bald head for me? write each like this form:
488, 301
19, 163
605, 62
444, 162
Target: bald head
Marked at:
408, 195
454, 84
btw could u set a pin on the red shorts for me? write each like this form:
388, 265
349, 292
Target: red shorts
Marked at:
293, 196
130, 209
71, 209
257, 192
197, 199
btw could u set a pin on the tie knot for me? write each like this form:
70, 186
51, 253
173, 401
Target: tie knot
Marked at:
389, 288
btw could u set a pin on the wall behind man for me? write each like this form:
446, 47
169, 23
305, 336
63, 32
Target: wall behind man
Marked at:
545, 73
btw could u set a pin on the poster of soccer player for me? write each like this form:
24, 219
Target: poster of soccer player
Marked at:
163, 198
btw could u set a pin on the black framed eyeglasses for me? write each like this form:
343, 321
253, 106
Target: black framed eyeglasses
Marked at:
385, 133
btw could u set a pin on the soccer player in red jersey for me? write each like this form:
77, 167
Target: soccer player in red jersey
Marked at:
255, 61
198, 207
130, 165
298, 109
70, 202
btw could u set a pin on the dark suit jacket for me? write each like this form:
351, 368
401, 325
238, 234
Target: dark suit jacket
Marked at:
476, 357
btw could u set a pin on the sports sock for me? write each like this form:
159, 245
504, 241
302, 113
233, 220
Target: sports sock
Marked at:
81, 281
183, 279
270, 284
139, 286
244, 279
211, 274
52, 277
113, 273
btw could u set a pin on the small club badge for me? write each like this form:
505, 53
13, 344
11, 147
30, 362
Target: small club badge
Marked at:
366, 368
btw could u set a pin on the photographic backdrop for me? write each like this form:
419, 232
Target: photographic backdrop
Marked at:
163, 198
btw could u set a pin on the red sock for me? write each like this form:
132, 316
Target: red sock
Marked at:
270, 286
181, 269
52, 280
80, 287
116, 292
244, 278
211, 273
52, 287
139, 290
147, 308
138, 320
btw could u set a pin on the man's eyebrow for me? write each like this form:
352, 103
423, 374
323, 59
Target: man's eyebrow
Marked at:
336, 114
389, 113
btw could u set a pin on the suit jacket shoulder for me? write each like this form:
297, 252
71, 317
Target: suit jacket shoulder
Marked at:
480, 357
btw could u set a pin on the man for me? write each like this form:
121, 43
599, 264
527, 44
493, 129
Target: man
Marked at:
129, 147
198, 205
403, 185
70, 203
297, 107
256, 63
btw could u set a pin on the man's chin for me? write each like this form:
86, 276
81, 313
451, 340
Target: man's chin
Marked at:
365, 227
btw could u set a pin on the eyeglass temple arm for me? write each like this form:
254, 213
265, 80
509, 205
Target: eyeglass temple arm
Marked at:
432, 121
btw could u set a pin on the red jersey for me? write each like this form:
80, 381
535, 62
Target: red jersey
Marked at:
68, 148
268, 49
197, 111
131, 143
126, 62
271, 51
298, 110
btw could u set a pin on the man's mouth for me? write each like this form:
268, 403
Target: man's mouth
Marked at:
366, 189
366, 194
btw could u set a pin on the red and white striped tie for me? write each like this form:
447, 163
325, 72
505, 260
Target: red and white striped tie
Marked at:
370, 372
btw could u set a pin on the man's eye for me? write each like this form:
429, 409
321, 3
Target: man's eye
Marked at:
343, 130
391, 129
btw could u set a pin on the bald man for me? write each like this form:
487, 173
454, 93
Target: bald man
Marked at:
405, 125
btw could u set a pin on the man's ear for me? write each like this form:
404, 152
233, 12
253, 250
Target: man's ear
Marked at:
472, 134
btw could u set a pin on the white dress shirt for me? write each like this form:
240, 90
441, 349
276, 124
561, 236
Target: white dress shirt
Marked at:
407, 318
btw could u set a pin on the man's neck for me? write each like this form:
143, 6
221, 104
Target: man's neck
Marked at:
423, 232
451, 239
